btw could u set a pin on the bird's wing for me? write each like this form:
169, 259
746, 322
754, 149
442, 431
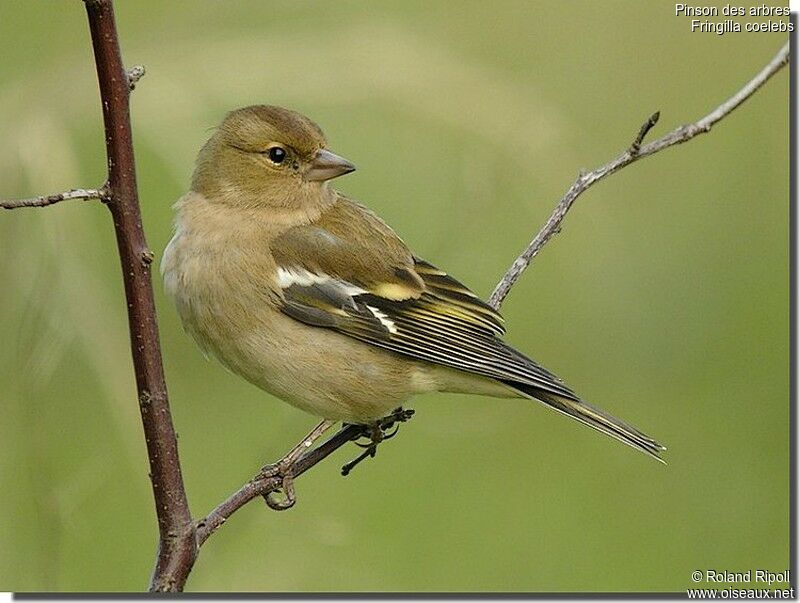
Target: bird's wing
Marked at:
393, 300
330, 246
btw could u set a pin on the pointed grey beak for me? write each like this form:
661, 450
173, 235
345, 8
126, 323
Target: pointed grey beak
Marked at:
327, 165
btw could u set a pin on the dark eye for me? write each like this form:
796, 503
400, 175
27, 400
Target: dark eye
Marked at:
276, 154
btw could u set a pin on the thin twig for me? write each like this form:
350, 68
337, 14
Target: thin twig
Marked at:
84, 194
633, 153
134, 74
258, 486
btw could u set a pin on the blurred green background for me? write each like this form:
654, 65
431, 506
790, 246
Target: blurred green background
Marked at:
664, 299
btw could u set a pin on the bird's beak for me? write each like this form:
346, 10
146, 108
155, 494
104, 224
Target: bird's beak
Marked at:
327, 165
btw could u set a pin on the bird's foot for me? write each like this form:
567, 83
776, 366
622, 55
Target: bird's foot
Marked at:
284, 468
377, 432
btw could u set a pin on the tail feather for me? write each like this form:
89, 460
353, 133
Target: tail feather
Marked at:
596, 419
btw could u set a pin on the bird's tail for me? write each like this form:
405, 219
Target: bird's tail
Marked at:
595, 418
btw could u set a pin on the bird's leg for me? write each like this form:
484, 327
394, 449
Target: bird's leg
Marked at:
376, 432
283, 468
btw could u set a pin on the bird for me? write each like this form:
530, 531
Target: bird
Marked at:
312, 297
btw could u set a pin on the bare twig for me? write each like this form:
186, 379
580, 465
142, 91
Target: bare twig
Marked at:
633, 153
84, 194
134, 74
176, 549
258, 486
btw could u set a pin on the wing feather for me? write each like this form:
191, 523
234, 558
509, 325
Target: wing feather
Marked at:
385, 296
430, 327
445, 288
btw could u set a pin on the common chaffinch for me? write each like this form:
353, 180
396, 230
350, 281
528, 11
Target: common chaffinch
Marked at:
312, 297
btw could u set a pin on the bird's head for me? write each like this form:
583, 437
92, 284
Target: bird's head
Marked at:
267, 156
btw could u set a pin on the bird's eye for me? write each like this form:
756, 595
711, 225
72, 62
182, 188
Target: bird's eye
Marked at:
276, 155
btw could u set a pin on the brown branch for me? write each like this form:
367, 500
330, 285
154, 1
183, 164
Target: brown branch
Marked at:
176, 530
632, 154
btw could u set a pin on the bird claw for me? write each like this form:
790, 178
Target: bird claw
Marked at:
283, 470
288, 500
389, 436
